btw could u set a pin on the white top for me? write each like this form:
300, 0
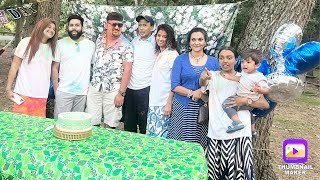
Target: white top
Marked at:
247, 82
75, 62
34, 78
220, 89
144, 58
161, 78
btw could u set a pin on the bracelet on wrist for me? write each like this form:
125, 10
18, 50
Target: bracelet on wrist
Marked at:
190, 93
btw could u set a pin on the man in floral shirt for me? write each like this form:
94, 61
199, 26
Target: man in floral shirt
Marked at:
111, 73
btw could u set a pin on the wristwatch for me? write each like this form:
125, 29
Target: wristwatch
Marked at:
249, 102
122, 93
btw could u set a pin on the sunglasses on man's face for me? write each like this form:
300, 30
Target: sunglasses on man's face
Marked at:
116, 24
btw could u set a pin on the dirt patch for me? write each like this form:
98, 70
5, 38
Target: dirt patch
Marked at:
295, 120
5, 62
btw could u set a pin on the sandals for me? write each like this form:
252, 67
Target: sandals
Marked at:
236, 126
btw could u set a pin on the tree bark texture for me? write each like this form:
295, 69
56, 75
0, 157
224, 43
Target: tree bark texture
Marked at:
24, 25
267, 16
50, 9
46, 9
261, 152
28, 24
19, 23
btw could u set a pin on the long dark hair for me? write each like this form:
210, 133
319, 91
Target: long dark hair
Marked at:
171, 40
193, 30
37, 35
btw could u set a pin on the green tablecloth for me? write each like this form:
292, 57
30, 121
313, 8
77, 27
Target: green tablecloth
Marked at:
29, 153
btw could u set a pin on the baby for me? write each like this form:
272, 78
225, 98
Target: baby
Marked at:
251, 85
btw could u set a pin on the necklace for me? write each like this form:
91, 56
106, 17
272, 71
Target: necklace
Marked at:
229, 74
197, 58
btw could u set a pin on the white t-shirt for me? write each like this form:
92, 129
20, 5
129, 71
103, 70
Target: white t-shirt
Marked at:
247, 82
220, 89
161, 78
144, 58
75, 63
34, 78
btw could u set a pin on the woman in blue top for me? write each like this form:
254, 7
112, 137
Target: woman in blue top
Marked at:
186, 72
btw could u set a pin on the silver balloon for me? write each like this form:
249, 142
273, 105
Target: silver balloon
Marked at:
287, 34
284, 87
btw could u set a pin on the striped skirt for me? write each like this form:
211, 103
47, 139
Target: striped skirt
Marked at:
183, 124
230, 159
157, 123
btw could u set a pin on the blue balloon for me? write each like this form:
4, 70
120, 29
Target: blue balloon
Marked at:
264, 67
291, 44
51, 91
303, 59
237, 66
264, 112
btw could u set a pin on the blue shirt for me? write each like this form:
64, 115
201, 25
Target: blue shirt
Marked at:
183, 74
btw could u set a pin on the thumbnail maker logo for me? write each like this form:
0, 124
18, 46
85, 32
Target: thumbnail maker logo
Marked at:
295, 150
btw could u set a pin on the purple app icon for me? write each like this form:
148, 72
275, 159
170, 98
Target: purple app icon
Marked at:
295, 151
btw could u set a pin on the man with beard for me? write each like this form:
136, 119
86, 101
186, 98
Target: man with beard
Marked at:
71, 68
111, 73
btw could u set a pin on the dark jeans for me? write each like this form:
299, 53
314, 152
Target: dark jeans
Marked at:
135, 110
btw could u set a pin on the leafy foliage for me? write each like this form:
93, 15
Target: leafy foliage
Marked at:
218, 20
311, 31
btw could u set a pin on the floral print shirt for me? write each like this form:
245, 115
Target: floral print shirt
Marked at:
108, 63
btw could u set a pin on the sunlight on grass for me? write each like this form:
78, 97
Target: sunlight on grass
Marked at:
282, 122
309, 99
316, 73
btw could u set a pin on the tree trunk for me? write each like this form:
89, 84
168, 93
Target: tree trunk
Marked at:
29, 23
24, 25
267, 16
50, 9
19, 26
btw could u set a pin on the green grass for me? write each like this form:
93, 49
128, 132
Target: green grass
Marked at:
316, 73
309, 99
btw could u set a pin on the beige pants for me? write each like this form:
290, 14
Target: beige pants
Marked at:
100, 102
66, 102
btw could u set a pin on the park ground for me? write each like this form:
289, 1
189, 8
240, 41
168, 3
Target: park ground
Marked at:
296, 119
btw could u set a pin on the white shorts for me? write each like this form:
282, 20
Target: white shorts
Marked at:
101, 102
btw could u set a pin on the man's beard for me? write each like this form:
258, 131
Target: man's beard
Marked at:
75, 36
